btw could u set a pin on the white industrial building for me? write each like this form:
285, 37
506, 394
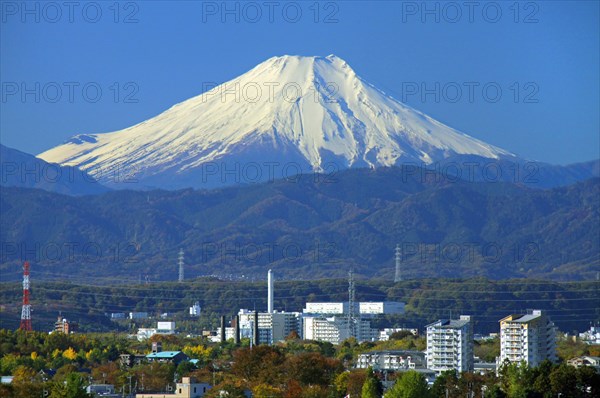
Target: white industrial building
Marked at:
161, 328
326, 308
384, 335
380, 307
138, 315
530, 338
364, 308
450, 345
195, 310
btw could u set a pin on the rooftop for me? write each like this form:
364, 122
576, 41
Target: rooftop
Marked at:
163, 354
450, 323
394, 352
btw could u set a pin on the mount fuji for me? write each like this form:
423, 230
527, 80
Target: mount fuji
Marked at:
288, 115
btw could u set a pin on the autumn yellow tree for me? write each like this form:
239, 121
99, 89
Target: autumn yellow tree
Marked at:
70, 354
266, 391
26, 383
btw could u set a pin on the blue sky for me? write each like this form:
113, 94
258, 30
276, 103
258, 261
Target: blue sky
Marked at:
145, 56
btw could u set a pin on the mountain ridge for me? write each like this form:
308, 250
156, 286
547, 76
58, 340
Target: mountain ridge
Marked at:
316, 228
20, 169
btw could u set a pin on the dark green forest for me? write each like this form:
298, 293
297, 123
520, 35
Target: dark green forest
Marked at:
310, 228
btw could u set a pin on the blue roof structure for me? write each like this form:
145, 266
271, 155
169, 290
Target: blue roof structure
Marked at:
163, 355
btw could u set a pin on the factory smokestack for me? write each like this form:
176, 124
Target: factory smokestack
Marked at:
270, 292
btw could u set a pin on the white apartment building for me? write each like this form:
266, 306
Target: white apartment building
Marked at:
450, 345
272, 327
397, 360
530, 338
336, 329
333, 330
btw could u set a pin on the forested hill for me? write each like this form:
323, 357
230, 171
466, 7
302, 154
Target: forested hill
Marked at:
571, 305
311, 227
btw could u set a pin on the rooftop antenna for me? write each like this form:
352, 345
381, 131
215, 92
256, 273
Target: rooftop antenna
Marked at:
180, 265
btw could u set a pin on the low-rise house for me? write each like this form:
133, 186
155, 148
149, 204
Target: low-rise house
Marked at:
585, 360
167, 356
102, 390
129, 360
188, 388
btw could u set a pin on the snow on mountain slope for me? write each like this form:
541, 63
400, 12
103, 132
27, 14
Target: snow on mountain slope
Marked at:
307, 111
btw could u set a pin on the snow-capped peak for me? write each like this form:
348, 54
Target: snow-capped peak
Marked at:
311, 111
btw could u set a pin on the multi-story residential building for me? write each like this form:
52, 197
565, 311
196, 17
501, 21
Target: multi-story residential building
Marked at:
272, 327
450, 345
392, 360
333, 330
336, 329
530, 338
62, 325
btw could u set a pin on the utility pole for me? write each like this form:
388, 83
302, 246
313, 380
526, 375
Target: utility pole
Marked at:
26, 309
180, 265
398, 274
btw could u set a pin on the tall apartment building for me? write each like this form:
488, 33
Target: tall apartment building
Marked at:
530, 338
336, 329
272, 326
450, 345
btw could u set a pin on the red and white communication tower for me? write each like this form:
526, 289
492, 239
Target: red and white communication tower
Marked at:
26, 310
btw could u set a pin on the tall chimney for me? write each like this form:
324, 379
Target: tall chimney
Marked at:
270, 292
255, 336
222, 328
